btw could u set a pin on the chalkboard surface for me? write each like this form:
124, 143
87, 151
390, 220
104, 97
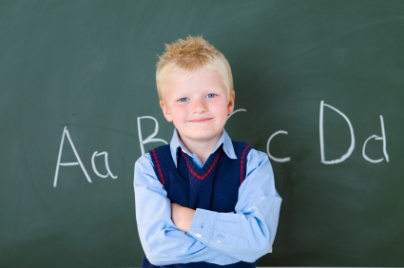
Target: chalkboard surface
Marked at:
319, 87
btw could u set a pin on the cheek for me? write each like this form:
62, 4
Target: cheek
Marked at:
222, 107
179, 112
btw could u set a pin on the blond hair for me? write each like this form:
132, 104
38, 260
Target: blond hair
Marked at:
191, 55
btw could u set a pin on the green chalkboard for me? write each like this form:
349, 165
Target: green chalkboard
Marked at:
319, 87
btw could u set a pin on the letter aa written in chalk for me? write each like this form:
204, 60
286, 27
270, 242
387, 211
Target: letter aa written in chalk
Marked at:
79, 162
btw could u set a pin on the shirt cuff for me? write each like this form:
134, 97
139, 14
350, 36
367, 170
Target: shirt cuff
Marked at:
202, 226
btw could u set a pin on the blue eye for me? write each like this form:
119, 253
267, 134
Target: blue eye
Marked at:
210, 95
183, 99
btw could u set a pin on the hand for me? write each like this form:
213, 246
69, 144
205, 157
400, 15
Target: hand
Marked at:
182, 216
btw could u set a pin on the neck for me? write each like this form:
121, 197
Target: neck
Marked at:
202, 149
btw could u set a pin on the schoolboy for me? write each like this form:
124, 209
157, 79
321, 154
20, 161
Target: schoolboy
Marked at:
203, 200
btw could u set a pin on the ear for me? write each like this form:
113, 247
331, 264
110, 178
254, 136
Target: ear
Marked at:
230, 106
166, 111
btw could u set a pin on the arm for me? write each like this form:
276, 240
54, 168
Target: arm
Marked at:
161, 240
182, 216
249, 233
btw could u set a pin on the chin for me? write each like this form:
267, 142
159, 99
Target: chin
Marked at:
205, 137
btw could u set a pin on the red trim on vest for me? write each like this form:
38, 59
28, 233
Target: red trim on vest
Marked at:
206, 173
242, 163
158, 166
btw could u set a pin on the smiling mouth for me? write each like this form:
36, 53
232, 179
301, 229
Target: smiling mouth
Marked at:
200, 120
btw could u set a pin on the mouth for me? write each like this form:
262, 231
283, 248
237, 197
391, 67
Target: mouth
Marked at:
200, 120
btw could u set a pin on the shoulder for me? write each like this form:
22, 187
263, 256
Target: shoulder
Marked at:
250, 152
258, 161
241, 149
251, 156
153, 165
144, 161
257, 155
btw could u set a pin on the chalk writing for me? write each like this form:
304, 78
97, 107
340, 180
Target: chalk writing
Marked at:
322, 146
321, 128
383, 138
150, 138
236, 111
79, 162
352, 146
280, 160
105, 154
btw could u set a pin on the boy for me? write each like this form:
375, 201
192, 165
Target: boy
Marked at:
203, 200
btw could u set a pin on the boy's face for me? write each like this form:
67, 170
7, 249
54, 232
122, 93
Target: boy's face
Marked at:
197, 104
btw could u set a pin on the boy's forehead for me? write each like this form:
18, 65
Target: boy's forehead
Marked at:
196, 81
205, 74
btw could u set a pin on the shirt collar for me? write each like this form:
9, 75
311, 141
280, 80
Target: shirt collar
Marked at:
224, 139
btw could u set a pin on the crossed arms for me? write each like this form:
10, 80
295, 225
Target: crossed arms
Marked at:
171, 234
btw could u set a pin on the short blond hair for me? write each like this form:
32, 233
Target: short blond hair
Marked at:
191, 55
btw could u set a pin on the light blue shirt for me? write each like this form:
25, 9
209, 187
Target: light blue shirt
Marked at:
220, 238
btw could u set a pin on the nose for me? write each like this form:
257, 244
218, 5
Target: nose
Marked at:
199, 106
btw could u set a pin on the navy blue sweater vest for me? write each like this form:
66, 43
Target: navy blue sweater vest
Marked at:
213, 187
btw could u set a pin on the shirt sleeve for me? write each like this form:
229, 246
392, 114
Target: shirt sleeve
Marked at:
162, 242
249, 232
